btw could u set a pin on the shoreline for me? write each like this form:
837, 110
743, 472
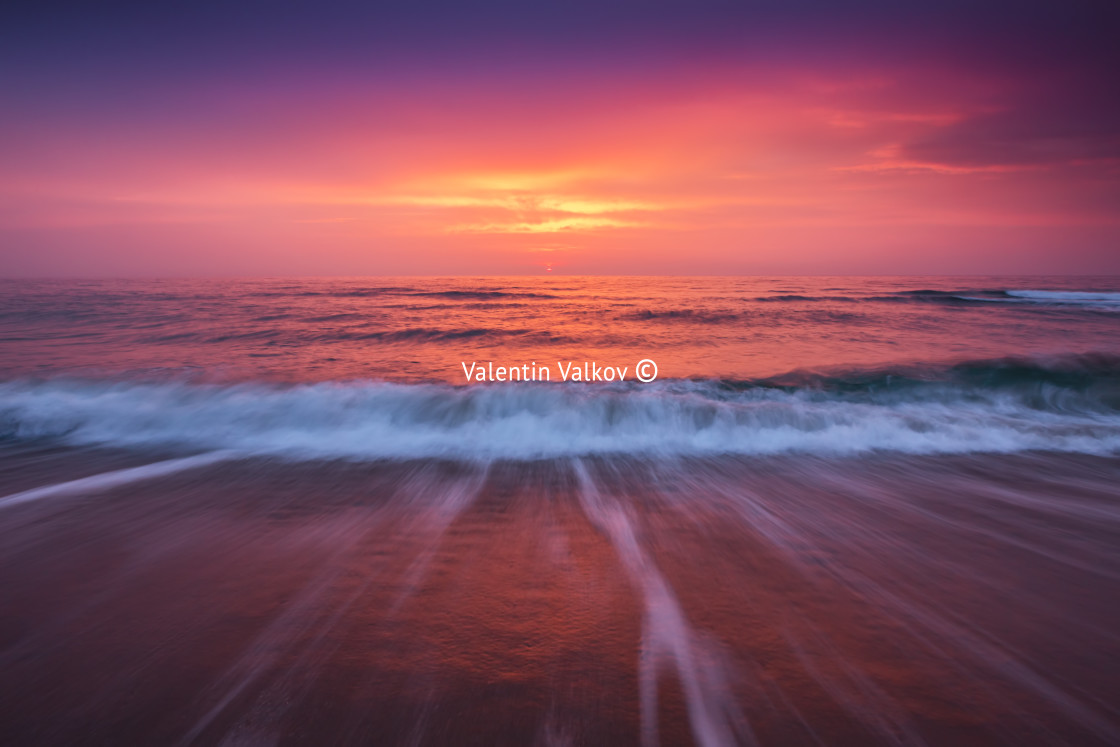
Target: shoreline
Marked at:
922, 597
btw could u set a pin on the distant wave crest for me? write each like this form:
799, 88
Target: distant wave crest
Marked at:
1099, 300
1093, 300
1087, 298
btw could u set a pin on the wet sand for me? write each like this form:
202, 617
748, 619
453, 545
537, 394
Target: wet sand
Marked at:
787, 600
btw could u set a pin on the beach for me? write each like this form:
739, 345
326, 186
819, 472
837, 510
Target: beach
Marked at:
896, 547
952, 599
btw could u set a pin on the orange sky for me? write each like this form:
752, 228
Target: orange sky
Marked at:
718, 169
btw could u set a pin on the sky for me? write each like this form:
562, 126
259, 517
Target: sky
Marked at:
495, 138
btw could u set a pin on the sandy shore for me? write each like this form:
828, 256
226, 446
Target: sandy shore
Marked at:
947, 600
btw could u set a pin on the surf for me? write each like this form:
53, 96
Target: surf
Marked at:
1066, 405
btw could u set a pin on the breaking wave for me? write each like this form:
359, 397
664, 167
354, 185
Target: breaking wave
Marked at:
1097, 300
1070, 405
1094, 300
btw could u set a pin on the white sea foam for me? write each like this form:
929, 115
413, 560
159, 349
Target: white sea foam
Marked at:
374, 420
668, 640
1099, 299
109, 480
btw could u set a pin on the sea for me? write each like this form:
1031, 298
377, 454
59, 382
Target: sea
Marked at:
834, 510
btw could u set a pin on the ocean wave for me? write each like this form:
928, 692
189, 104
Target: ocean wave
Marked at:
396, 290
301, 291
1083, 299
427, 335
1096, 300
786, 298
698, 316
1069, 405
1093, 378
351, 334
475, 295
1080, 298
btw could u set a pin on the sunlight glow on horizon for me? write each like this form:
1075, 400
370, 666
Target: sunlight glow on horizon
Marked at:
847, 171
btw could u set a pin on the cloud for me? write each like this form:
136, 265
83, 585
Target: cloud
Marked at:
553, 225
1057, 120
580, 205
